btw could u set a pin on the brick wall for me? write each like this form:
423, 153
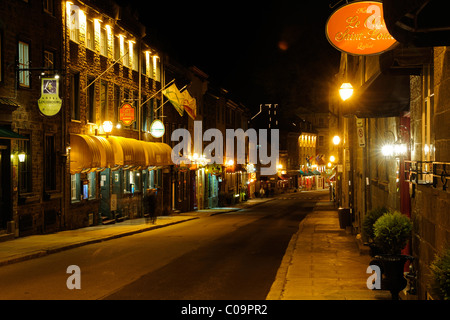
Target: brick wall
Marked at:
430, 206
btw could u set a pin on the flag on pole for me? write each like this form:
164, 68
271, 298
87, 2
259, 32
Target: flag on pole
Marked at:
175, 97
189, 104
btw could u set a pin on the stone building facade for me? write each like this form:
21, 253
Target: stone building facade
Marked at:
109, 64
31, 188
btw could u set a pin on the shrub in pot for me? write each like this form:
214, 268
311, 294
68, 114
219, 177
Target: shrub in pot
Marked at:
440, 269
367, 233
392, 231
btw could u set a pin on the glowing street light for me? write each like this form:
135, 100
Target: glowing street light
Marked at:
346, 91
336, 140
22, 155
107, 127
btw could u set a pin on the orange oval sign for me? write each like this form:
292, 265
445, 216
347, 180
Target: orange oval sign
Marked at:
127, 114
358, 28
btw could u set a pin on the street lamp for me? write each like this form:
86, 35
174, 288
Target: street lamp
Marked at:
336, 140
346, 91
22, 155
107, 127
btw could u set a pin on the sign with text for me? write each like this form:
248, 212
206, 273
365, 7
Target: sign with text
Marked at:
127, 114
358, 28
157, 129
50, 103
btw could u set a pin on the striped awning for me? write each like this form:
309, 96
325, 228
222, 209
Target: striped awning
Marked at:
94, 153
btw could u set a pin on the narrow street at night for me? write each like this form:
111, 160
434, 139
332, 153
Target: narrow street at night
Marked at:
195, 152
228, 256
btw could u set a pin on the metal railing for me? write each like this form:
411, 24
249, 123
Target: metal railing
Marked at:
436, 174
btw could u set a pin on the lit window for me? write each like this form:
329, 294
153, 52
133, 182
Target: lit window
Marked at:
73, 17
24, 63
103, 42
90, 35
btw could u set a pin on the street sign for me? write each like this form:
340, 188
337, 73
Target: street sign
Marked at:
358, 28
127, 114
50, 103
361, 137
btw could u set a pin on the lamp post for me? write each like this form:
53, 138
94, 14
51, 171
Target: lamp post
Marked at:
22, 156
107, 127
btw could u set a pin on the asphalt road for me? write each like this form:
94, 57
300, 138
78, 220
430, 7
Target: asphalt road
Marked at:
232, 256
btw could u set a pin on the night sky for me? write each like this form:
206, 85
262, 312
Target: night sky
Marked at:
262, 52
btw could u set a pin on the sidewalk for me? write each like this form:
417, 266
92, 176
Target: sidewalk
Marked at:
35, 246
323, 262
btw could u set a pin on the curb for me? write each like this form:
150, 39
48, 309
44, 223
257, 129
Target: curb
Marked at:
46, 252
278, 286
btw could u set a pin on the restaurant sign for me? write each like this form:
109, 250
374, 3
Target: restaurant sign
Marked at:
49, 103
157, 129
127, 114
359, 28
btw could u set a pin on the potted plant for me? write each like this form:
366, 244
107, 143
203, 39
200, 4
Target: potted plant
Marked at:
440, 270
367, 233
392, 231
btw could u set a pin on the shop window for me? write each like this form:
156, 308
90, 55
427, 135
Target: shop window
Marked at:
92, 193
132, 181
24, 63
75, 188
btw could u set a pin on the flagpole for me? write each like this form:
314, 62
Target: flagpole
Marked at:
90, 84
157, 92
182, 89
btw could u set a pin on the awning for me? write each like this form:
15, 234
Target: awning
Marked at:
10, 135
404, 60
162, 154
92, 153
423, 23
85, 154
5, 102
381, 96
128, 152
106, 152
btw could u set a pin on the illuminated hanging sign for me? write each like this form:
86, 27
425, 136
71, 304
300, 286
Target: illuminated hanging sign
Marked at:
157, 129
127, 114
50, 102
359, 28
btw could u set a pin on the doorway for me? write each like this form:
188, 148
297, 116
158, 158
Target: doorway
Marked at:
5, 184
105, 191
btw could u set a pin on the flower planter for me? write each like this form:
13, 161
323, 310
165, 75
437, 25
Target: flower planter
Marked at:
393, 266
